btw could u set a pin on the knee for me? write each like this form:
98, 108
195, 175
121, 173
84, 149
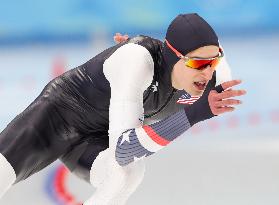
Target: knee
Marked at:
99, 168
105, 166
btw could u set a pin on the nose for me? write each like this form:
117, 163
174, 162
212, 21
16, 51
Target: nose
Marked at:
208, 72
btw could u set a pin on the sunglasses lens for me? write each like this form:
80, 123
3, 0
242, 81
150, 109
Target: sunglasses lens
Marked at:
215, 62
200, 64
196, 64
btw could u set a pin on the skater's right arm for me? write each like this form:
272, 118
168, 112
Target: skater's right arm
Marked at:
129, 71
146, 140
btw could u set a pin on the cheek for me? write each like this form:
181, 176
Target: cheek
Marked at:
184, 76
188, 75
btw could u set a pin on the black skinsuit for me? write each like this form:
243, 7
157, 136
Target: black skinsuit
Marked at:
69, 119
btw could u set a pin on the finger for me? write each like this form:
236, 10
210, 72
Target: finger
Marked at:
225, 103
123, 38
231, 83
119, 39
213, 96
116, 37
222, 110
229, 94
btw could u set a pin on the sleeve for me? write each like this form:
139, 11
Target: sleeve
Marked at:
129, 71
137, 143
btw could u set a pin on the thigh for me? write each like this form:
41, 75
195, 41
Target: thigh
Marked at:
82, 155
33, 139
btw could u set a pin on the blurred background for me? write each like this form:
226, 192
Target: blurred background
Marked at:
232, 159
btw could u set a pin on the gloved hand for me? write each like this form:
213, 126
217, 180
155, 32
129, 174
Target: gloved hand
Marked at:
214, 102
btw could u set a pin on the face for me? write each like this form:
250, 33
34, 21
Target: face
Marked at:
191, 80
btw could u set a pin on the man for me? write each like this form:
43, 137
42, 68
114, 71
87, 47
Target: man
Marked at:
104, 117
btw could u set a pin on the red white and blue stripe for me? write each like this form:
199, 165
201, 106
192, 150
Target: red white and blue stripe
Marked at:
141, 142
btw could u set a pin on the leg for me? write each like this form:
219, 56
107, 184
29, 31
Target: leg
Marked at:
94, 162
114, 183
7, 175
79, 159
30, 142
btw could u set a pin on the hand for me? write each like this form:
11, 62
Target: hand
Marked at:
119, 38
221, 102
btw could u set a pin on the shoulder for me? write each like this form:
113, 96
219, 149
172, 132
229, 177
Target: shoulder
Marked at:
130, 64
130, 54
154, 46
148, 42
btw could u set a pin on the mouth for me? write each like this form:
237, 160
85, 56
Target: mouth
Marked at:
200, 85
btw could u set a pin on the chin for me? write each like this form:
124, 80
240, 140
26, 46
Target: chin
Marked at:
194, 92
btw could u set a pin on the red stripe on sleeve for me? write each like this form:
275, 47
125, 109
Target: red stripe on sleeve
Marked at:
154, 136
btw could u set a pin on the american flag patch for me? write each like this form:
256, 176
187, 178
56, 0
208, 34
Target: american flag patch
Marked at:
187, 99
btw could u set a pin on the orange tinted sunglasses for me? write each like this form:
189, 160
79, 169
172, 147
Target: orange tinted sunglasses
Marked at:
198, 63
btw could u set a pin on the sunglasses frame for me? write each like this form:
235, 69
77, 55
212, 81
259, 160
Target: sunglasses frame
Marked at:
186, 58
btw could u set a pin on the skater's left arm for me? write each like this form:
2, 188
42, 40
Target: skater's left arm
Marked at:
119, 38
